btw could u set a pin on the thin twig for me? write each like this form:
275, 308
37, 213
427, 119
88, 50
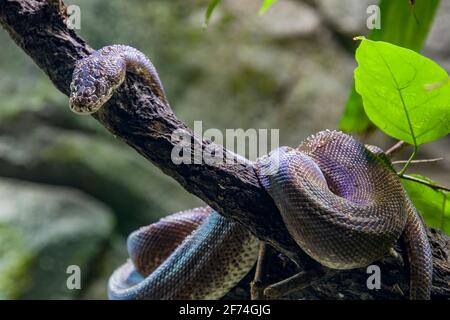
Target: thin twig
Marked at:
297, 282
408, 162
396, 148
257, 285
418, 161
424, 182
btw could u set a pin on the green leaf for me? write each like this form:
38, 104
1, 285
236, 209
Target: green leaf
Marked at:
266, 5
403, 25
395, 84
354, 118
212, 5
432, 204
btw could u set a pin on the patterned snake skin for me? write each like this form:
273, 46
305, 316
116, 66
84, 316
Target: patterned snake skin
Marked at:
340, 200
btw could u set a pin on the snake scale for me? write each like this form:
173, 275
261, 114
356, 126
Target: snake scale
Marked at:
341, 201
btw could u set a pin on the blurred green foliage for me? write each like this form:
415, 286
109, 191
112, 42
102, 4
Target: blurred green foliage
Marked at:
14, 260
266, 5
213, 4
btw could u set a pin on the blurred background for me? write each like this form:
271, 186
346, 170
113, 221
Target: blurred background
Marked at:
70, 193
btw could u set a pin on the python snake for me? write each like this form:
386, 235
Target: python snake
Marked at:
341, 201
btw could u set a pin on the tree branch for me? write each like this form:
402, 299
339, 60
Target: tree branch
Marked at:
136, 117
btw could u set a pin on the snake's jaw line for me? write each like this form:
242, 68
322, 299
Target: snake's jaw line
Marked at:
82, 107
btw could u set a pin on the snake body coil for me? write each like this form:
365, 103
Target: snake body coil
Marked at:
341, 201
214, 255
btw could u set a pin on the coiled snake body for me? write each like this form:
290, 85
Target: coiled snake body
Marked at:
341, 201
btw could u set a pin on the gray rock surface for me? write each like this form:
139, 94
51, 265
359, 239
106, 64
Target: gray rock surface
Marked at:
346, 16
438, 42
286, 19
113, 173
43, 230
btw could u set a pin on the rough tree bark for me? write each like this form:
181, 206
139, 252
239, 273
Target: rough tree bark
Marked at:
135, 116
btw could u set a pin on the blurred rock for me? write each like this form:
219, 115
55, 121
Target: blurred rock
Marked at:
346, 16
437, 45
319, 85
43, 230
115, 174
298, 90
285, 19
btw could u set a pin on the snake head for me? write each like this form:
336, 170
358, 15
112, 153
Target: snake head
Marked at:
94, 80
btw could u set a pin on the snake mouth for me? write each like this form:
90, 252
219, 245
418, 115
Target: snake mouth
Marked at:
82, 105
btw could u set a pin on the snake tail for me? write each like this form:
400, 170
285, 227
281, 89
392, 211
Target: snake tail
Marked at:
419, 254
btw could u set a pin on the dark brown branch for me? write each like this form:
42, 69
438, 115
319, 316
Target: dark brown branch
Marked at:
137, 118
